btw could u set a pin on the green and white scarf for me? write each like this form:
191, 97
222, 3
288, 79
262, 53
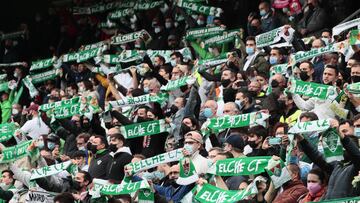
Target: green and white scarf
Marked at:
130, 37
280, 69
278, 172
41, 64
12, 64
342, 200
198, 8
273, 36
120, 13
209, 193
192, 34
218, 124
147, 6
12, 35
240, 166
94, 45
49, 170
311, 89
81, 55
345, 26
176, 84
310, 126
11, 154
4, 86
154, 161
144, 129
354, 88
28, 83
49, 106
222, 58
143, 99
39, 197
188, 173
333, 149
124, 188
228, 36
7, 131
44, 76
99, 8
354, 37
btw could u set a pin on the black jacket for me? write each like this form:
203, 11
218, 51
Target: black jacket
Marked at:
115, 168
98, 165
342, 174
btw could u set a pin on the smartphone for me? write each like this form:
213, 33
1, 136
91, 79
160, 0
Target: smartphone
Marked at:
274, 140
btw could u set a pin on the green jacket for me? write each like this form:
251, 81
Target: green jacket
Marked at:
6, 107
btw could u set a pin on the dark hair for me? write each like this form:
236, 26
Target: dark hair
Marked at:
321, 174
85, 136
88, 85
250, 38
280, 125
327, 30
115, 199
333, 67
246, 94
178, 55
87, 176
8, 171
161, 58
311, 115
65, 197
226, 154
309, 63
78, 153
356, 117
103, 140
258, 130
119, 136
166, 68
350, 122
194, 121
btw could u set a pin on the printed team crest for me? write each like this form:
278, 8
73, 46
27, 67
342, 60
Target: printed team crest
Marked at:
99, 162
186, 166
331, 141
188, 173
276, 170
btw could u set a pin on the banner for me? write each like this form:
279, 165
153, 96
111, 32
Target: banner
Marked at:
240, 166
273, 36
4, 86
342, 200
310, 126
130, 37
278, 172
124, 188
311, 89
49, 106
344, 26
12, 35
42, 64
143, 99
7, 131
120, 13
187, 173
176, 84
44, 76
354, 37
147, 5
228, 36
219, 123
209, 193
32, 90
146, 196
192, 34
198, 8
154, 161
333, 149
222, 58
81, 55
354, 88
12, 64
94, 45
144, 129
99, 8
11, 154
49, 170
279, 68
39, 197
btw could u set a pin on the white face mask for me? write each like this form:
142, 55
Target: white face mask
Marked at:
176, 24
200, 22
14, 111
157, 30
168, 25
326, 40
16, 74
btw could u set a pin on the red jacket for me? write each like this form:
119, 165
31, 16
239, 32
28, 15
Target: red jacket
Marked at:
292, 192
316, 198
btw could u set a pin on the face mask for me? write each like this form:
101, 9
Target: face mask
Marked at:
210, 49
250, 50
146, 90
252, 144
158, 175
355, 78
176, 24
82, 148
173, 183
321, 149
274, 84
14, 111
294, 160
313, 188
273, 60
164, 8
40, 144
92, 148
262, 12
189, 148
113, 147
282, 104
76, 185
225, 82
200, 22
304, 76
86, 126
291, 18
157, 30
51, 145
285, 10
147, 176
239, 103
208, 112
326, 40
194, 16
185, 129
137, 46
357, 132
173, 62
168, 25
16, 74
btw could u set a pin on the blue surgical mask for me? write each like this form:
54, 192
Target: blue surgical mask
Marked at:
51, 145
273, 60
250, 50
326, 40
40, 144
147, 176
357, 132
262, 12
189, 148
294, 160
208, 112
146, 89
159, 175
173, 62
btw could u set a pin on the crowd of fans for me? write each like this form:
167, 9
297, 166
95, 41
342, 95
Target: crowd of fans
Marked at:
89, 120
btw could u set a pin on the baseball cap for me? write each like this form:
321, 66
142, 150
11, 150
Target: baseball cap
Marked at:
194, 135
236, 141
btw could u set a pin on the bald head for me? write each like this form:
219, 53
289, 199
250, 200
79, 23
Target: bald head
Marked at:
212, 104
113, 131
174, 172
230, 109
317, 43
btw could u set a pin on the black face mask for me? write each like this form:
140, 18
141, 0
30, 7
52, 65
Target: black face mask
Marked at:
253, 93
304, 76
225, 82
171, 111
108, 125
76, 185
339, 83
141, 119
86, 126
91, 148
113, 147
252, 144
185, 129
274, 84
355, 78
282, 104
183, 88
173, 183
